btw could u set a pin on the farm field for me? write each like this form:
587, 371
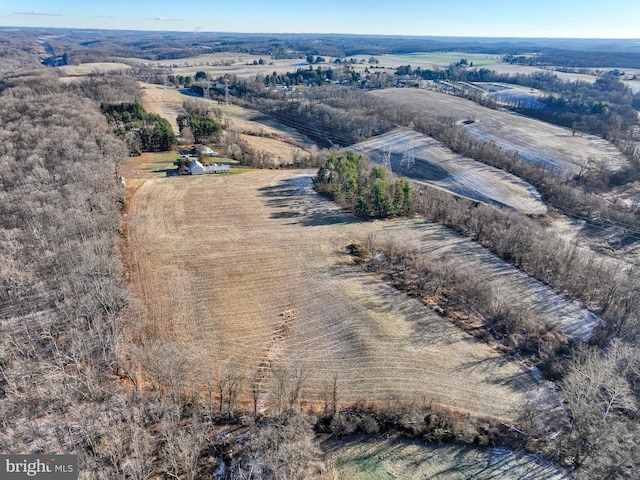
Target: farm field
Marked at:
240, 64
377, 458
536, 141
85, 69
507, 94
512, 69
164, 101
220, 64
568, 76
423, 158
252, 268
262, 277
429, 60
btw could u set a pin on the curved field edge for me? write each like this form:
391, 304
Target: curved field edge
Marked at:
252, 269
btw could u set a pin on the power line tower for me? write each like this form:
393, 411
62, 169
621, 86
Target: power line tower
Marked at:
386, 157
408, 158
226, 91
205, 89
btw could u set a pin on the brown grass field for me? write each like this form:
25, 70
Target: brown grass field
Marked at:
164, 101
85, 69
227, 63
437, 165
534, 140
252, 268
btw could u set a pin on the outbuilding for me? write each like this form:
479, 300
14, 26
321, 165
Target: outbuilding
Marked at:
204, 151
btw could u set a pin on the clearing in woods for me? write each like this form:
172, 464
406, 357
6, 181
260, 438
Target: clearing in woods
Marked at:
549, 145
423, 158
253, 268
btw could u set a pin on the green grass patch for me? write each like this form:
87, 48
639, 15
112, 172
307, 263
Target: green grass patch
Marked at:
160, 157
237, 170
156, 163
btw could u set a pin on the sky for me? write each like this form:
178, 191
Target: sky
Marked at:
469, 18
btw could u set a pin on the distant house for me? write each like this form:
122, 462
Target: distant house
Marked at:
196, 168
204, 151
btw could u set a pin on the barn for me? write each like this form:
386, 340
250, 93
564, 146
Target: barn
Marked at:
215, 168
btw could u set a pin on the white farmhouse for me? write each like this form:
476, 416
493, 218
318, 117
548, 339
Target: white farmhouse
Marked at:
196, 168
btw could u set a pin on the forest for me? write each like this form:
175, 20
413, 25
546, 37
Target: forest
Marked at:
143, 132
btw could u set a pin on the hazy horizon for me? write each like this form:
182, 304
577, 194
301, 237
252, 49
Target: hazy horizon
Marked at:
570, 19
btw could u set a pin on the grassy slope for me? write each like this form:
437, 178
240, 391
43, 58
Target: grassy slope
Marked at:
222, 259
437, 165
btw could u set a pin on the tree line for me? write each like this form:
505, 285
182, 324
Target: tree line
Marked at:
587, 439
515, 238
311, 76
343, 116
